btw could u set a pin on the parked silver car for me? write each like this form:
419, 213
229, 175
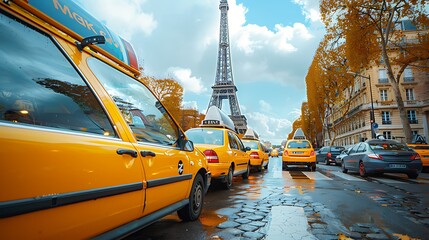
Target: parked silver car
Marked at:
339, 158
382, 156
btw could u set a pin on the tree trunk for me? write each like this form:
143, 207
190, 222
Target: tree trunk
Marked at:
398, 97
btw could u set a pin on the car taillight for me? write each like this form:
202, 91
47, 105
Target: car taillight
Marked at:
329, 154
312, 153
285, 153
415, 156
254, 155
211, 156
375, 156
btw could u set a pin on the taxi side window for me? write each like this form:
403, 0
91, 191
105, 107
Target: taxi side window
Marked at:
232, 141
145, 115
40, 87
239, 143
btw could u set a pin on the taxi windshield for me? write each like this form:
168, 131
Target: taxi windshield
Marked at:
205, 136
299, 144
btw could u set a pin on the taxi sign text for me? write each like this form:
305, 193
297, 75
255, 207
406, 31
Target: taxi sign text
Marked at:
211, 122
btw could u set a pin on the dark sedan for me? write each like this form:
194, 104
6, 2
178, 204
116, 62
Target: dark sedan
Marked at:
328, 154
382, 156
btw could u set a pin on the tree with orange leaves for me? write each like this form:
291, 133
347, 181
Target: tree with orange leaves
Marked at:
370, 30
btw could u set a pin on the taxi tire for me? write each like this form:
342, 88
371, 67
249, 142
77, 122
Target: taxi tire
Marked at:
228, 179
412, 175
192, 211
260, 167
312, 167
247, 173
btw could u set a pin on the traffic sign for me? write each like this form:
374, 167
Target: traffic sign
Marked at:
375, 125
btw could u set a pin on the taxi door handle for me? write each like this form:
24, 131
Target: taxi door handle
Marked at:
147, 153
130, 152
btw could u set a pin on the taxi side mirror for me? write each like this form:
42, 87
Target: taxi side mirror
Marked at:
247, 149
188, 145
185, 144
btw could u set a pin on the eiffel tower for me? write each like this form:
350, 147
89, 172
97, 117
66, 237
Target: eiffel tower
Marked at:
224, 87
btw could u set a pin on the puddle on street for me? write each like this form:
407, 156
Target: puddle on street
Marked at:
210, 219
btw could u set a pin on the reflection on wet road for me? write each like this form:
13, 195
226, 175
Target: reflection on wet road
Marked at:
333, 202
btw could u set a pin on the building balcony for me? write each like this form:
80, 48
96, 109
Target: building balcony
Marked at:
413, 121
386, 122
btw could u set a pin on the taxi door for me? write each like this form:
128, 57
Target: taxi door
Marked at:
155, 133
241, 158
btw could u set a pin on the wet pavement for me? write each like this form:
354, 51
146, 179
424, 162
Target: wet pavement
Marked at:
306, 205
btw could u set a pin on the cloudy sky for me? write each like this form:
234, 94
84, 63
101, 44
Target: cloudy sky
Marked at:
272, 45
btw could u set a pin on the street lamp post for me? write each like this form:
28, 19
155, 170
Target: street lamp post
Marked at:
371, 114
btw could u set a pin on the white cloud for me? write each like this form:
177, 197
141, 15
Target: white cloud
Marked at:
310, 9
188, 82
190, 105
126, 25
268, 127
265, 106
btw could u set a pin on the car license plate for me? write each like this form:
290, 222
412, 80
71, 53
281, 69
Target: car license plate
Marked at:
298, 152
397, 166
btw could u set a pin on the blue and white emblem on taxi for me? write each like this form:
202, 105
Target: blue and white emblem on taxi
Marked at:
180, 167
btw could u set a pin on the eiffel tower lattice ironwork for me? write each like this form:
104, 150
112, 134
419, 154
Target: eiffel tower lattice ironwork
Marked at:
224, 88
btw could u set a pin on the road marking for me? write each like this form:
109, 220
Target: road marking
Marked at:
288, 222
317, 176
346, 176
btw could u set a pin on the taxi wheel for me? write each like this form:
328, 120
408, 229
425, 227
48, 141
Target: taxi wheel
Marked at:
247, 173
313, 167
228, 179
362, 171
192, 211
412, 175
261, 166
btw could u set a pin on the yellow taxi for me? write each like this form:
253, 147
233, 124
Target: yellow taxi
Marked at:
274, 152
217, 139
422, 148
299, 151
79, 157
258, 153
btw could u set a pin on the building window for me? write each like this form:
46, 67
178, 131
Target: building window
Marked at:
412, 116
387, 135
410, 94
383, 94
385, 117
408, 75
382, 76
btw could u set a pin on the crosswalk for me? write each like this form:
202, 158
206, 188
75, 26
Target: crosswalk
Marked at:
331, 174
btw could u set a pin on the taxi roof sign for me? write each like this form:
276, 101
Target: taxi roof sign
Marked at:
251, 134
299, 134
216, 118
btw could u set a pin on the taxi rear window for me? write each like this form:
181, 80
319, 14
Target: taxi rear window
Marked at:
298, 144
252, 145
205, 136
